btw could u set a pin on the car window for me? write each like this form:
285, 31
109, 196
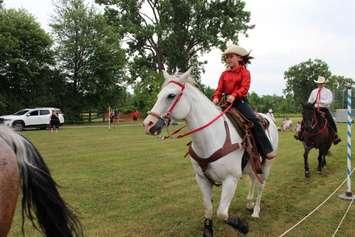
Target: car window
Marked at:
44, 112
21, 112
34, 113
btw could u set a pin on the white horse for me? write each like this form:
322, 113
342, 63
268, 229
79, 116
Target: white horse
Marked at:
180, 99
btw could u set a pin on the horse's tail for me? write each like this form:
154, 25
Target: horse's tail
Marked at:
40, 195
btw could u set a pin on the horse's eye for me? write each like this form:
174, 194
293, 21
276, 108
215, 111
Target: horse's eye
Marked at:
171, 96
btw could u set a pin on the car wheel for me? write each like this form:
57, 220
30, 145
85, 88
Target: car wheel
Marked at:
18, 126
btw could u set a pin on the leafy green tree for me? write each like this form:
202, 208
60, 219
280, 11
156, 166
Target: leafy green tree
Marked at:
278, 104
300, 79
89, 53
25, 60
170, 35
173, 32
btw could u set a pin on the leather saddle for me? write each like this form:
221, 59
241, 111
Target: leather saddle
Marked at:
244, 126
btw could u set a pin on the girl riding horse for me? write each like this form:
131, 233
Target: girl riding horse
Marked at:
216, 145
235, 83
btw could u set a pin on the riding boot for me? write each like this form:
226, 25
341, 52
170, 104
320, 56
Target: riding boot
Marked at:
336, 139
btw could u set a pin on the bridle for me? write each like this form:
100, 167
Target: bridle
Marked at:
166, 117
314, 123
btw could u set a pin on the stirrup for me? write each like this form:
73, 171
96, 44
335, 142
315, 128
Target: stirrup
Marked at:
336, 140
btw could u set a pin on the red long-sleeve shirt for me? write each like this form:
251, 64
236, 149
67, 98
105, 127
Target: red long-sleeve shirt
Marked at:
235, 82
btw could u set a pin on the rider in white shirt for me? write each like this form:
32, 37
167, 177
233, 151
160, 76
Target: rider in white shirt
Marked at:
325, 95
322, 98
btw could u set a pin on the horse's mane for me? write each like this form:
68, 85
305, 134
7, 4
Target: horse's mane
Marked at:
308, 106
181, 77
185, 78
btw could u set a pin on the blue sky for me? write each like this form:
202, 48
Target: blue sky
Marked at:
287, 32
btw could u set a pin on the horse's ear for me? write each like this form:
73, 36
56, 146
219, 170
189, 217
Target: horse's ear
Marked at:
166, 75
186, 75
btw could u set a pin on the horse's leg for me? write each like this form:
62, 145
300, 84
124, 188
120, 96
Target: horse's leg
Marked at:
324, 164
206, 190
229, 186
305, 157
323, 151
9, 188
250, 196
260, 188
320, 161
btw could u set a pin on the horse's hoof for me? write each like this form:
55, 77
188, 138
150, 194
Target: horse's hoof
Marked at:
250, 209
307, 174
238, 224
207, 233
207, 228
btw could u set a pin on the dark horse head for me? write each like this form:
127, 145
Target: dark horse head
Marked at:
311, 117
315, 135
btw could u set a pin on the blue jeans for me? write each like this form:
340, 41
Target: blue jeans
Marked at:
262, 142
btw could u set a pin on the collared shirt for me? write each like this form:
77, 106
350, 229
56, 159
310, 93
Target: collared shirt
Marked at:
325, 97
235, 82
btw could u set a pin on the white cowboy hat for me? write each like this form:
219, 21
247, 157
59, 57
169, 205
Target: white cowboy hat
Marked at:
270, 110
235, 49
321, 80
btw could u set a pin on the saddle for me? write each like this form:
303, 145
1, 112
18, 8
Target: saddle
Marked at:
244, 126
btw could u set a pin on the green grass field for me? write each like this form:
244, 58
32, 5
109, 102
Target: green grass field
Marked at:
125, 183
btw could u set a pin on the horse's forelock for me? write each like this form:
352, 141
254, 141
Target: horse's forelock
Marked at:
308, 106
180, 77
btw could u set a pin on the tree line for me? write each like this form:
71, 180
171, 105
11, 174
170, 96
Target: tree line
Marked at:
90, 57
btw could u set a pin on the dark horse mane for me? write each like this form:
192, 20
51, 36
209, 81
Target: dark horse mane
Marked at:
308, 106
308, 111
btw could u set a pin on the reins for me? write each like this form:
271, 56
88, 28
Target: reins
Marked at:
312, 134
166, 117
199, 128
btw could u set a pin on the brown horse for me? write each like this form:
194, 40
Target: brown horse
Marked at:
316, 134
22, 168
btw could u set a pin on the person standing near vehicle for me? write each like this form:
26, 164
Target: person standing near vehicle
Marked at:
54, 122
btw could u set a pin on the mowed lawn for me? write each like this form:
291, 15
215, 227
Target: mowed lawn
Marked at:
122, 182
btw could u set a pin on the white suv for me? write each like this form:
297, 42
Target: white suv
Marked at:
35, 117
